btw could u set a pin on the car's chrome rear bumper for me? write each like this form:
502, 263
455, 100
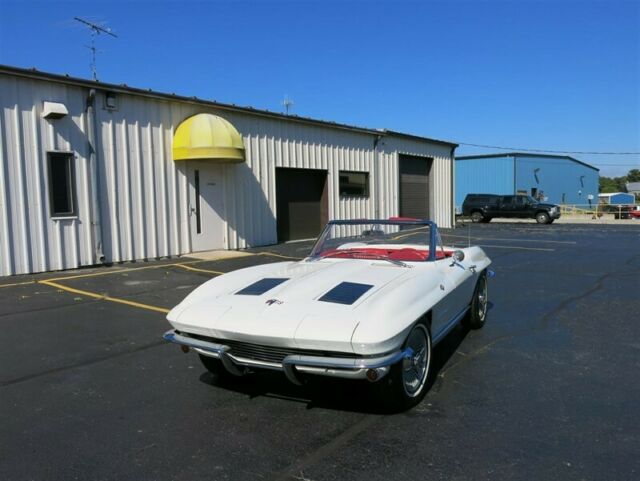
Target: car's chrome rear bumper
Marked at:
371, 368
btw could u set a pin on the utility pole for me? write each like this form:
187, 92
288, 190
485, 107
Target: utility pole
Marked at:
95, 31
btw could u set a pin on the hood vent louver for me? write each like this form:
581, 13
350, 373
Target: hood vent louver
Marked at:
346, 293
262, 286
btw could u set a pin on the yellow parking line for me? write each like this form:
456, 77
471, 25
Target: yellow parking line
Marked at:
189, 268
402, 236
184, 265
120, 271
17, 284
272, 254
92, 274
104, 297
218, 255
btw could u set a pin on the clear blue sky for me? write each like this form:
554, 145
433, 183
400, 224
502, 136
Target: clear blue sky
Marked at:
554, 75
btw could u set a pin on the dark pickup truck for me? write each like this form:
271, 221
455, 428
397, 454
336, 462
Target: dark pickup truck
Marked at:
484, 207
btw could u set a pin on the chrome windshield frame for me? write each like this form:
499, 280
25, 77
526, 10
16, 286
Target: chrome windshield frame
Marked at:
433, 231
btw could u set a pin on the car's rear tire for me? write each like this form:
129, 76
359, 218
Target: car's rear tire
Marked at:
542, 218
477, 314
477, 216
406, 383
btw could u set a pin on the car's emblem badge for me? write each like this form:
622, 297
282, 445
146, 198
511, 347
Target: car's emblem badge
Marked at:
271, 302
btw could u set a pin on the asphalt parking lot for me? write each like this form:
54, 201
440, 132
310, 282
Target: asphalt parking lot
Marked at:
547, 390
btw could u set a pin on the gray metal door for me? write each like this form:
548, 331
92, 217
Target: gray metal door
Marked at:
301, 203
414, 187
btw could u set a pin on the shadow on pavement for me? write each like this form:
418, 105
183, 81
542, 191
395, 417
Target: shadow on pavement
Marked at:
330, 393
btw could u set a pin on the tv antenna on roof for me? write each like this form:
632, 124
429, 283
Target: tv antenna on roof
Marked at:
288, 103
95, 31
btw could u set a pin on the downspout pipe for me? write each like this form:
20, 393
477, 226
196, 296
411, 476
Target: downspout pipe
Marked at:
376, 173
453, 186
95, 212
515, 163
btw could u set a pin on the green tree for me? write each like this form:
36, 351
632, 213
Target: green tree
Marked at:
612, 184
618, 184
633, 175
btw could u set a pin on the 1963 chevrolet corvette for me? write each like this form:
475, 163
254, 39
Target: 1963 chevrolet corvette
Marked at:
369, 302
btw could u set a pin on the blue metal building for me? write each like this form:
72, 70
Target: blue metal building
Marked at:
618, 198
559, 178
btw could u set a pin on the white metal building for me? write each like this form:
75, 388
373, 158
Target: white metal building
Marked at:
95, 172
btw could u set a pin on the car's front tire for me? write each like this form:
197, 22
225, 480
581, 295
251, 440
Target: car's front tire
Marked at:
406, 384
542, 218
477, 315
477, 216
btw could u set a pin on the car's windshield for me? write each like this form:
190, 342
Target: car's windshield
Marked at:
372, 239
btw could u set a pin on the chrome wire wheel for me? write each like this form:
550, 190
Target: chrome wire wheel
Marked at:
479, 307
415, 367
483, 298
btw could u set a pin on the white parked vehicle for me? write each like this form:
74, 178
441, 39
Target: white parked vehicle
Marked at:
369, 302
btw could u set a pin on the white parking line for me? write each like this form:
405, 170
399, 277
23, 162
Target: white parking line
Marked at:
510, 240
520, 248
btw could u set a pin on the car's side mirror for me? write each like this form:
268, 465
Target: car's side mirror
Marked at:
458, 255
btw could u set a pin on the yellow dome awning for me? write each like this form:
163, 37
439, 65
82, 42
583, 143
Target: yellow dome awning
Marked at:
207, 137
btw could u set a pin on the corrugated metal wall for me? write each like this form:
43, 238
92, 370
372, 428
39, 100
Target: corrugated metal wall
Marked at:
30, 240
144, 194
440, 177
491, 175
271, 143
562, 180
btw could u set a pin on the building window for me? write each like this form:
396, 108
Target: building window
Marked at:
354, 184
61, 184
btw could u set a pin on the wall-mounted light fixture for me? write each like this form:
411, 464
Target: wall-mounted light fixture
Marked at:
535, 174
582, 180
54, 110
110, 101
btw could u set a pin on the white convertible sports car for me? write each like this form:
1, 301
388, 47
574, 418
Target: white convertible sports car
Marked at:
369, 302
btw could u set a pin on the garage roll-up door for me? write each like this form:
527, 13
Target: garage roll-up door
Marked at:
414, 186
301, 203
